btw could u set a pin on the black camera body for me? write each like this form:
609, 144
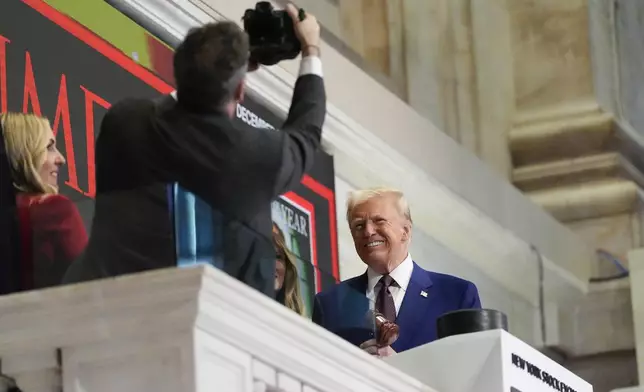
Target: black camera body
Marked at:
271, 34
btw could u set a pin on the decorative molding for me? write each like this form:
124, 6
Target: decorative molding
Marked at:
568, 136
588, 200
557, 113
452, 199
566, 172
197, 323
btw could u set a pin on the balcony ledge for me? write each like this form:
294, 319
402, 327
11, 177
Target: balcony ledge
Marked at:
153, 315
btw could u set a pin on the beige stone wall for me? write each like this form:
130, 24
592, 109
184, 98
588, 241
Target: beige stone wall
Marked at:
606, 372
513, 82
551, 57
499, 76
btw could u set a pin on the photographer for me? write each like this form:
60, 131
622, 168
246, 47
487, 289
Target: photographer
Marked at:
144, 146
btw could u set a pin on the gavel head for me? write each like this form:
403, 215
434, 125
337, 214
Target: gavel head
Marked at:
386, 331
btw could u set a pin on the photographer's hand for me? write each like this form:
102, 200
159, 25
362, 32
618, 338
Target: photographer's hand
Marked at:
307, 31
372, 347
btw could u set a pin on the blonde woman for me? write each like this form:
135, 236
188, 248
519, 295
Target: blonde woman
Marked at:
287, 282
52, 233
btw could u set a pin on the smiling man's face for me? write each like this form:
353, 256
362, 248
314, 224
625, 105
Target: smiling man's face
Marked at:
380, 233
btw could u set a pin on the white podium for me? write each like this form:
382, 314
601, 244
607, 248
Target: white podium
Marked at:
491, 361
177, 330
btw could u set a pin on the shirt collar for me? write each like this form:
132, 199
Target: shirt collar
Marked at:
401, 274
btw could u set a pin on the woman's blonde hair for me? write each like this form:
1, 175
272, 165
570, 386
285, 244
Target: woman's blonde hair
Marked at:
26, 139
292, 295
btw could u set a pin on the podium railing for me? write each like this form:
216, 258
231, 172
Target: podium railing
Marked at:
193, 329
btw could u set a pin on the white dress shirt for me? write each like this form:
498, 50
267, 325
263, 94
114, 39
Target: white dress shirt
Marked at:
311, 65
402, 276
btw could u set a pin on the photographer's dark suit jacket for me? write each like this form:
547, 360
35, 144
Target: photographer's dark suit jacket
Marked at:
145, 145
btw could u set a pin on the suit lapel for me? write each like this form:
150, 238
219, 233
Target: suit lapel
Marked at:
354, 303
352, 322
358, 284
417, 300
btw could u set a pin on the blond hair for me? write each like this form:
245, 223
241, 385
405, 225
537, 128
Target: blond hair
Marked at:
361, 196
292, 295
26, 139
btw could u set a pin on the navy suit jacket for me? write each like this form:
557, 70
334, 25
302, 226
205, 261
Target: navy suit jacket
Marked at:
344, 309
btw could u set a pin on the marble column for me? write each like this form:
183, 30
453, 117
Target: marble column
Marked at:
636, 262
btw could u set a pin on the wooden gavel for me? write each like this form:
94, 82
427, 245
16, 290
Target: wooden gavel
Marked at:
386, 331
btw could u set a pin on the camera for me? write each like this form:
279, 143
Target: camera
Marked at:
271, 34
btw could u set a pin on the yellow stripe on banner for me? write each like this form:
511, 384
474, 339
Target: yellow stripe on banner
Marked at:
108, 23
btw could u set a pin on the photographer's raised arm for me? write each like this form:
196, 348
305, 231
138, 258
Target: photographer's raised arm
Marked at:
303, 126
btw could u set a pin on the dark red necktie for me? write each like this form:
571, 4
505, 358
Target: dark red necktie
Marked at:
384, 300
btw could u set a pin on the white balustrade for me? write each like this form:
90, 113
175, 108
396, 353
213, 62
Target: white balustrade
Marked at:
174, 330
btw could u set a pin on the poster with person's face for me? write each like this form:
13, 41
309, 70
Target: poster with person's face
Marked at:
294, 224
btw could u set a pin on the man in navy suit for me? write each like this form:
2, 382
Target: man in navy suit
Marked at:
393, 284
